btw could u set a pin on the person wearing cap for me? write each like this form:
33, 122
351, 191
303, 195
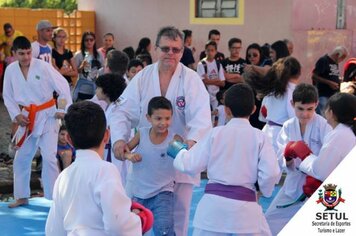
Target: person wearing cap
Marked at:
40, 48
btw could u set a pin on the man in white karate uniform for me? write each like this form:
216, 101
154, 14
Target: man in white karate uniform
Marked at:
28, 95
191, 112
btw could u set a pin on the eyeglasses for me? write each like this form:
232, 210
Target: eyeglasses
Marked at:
89, 39
166, 49
250, 55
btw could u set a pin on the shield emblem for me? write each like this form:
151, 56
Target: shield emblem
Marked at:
330, 196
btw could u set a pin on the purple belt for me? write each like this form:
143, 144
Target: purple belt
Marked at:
232, 192
108, 147
271, 123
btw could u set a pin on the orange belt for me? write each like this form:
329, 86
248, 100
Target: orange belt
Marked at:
32, 110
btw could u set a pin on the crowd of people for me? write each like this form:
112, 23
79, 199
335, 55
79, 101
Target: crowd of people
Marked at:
152, 124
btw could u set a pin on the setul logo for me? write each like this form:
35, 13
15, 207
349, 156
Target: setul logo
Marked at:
330, 198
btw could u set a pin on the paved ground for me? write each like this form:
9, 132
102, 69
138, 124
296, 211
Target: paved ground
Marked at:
6, 176
5, 169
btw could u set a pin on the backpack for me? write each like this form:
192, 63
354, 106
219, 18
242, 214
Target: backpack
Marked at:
206, 65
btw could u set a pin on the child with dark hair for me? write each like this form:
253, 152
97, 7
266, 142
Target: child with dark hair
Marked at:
28, 96
306, 126
152, 179
341, 115
109, 88
277, 88
246, 156
135, 66
88, 197
65, 151
219, 112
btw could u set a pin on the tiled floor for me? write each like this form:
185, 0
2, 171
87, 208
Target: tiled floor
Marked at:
31, 220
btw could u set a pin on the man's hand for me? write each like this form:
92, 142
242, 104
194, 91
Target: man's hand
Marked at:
119, 149
22, 120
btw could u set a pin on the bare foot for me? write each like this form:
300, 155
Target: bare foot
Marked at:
19, 202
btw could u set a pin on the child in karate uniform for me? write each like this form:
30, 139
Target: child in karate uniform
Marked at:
340, 113
28, 96
88, 197
309, 127
236, 156
109, 88
277, 88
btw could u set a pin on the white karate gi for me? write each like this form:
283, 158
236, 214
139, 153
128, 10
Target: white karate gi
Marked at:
42, 80
337, 144
316, 129
191, 120
235, 154
122, 166
88, 199
279, 110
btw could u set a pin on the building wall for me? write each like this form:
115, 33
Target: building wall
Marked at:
134, 19
25, 21
310, 24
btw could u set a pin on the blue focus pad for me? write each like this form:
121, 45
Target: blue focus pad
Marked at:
175, 147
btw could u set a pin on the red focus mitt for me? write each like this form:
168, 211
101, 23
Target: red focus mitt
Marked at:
311, 185
145, 215
298, 149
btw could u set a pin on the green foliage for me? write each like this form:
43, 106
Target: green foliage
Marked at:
67, 5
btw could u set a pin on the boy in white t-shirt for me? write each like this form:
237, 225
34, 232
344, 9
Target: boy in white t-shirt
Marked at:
211, 72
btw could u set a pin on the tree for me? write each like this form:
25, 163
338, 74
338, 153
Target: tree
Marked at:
67, 5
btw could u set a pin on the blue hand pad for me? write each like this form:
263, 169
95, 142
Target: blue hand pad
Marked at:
175, 147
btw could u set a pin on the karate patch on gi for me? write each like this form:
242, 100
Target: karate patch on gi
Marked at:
180, 102
37, 77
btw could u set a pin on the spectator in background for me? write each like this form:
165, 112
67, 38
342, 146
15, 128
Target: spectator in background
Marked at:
278, 50
326, 75
40, 48
143, 51
65, 151
187, 58
88, 62
290, 45
109, 41
214, 35
134, 67
234, 64
62, 58
349, 82
130, 52
6, 40
256, 66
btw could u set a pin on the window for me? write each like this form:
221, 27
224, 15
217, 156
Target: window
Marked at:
216, 11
